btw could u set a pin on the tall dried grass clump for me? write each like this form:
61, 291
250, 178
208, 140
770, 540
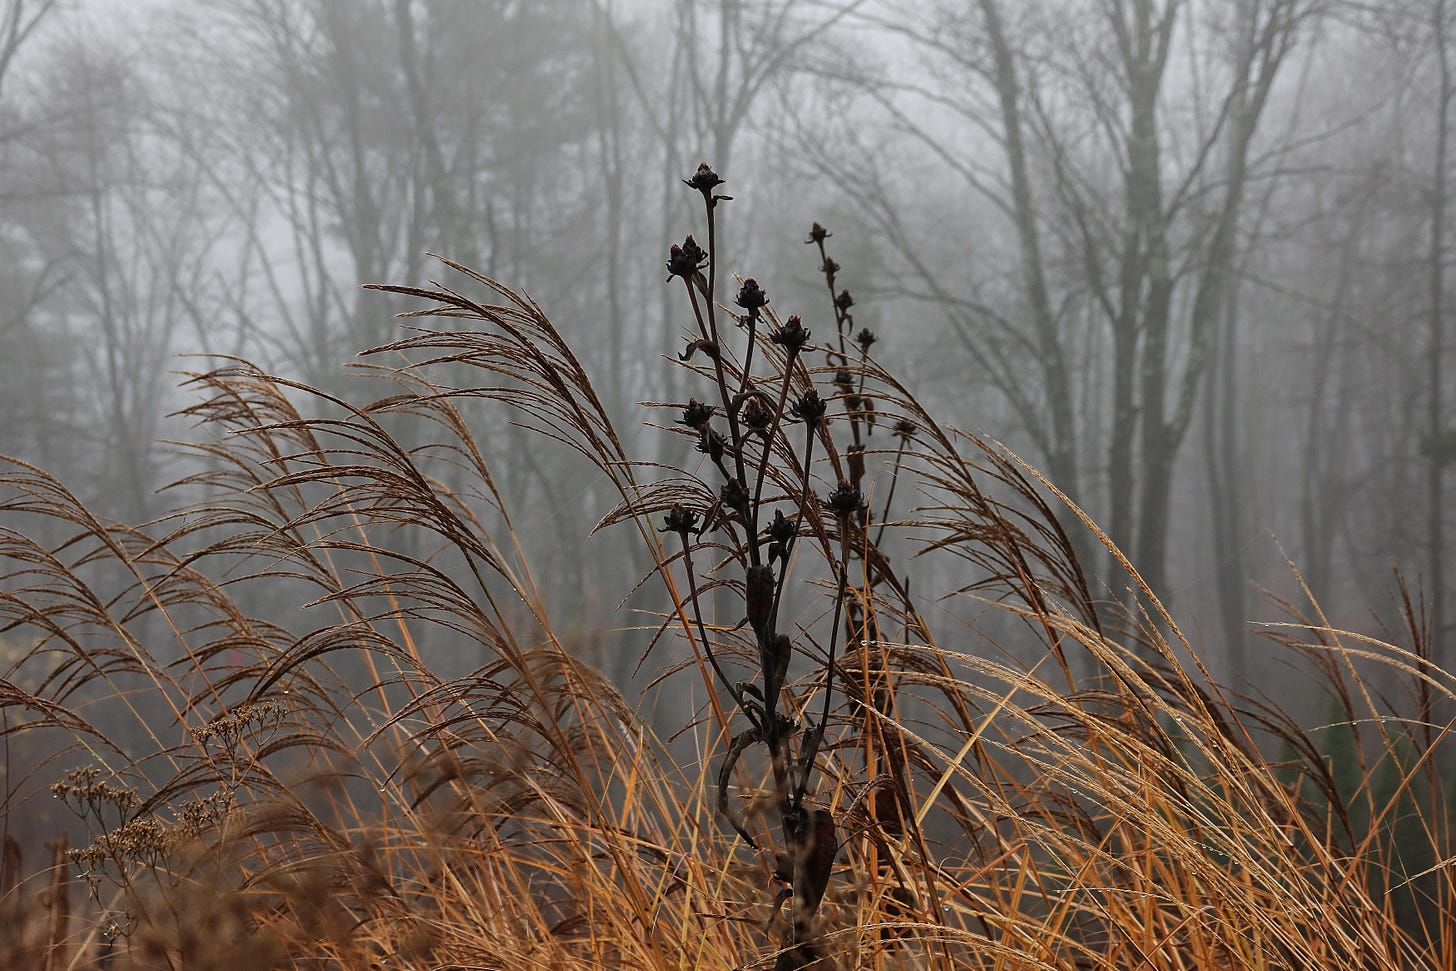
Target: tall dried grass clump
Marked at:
238, 699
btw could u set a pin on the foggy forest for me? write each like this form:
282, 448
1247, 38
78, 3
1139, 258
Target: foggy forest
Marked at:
795, 484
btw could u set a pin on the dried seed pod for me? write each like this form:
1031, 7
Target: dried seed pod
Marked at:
781, 532
809, 409
791, 336
680, 519
751, 296
813, 843
844, 501
856, 459
777, 662
816, 862
686, 260
696, 415
759, 596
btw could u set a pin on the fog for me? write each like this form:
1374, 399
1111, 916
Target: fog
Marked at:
1187, 259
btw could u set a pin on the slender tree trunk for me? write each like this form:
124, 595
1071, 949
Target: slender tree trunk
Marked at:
1158, 441
609, 145
1435, 469
1224, 464
1151, 273
1062, 457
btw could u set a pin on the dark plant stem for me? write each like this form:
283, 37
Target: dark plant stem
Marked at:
816, 737
890, 496
728, 685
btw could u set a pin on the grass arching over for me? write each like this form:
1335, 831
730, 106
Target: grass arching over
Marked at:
269, 785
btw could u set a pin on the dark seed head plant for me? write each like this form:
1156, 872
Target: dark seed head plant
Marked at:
240, 705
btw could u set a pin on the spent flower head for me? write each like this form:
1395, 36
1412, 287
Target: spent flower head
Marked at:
809, 409
756, 417
791, 336
781, 533
696, 415
85, 789
705, 180
734, 496
845, 501
680, 520
686, 259
712, 444
751, 296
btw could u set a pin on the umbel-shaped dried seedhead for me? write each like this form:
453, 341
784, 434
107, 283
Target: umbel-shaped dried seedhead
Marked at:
764, 500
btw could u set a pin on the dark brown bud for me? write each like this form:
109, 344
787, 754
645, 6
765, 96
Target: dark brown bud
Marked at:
809, 408
844, 501
712, 444
756, 417
818, 234
680, 520
791, 336
751, 296
705, 180
734, 496
696, 415
782, 530
685, 260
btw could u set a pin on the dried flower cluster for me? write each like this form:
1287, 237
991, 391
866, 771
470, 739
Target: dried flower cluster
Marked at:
764, 501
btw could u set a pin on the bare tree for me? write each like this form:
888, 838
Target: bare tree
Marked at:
1127, 140
108, 239
17, 25
1440, 444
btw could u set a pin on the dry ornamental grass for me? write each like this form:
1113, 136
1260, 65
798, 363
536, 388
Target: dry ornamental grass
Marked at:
890, 783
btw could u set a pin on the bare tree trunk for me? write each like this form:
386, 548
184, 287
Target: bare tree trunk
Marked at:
1438, 448
1169, 398
1145, 301
614, 188
1224, 466
1062, 452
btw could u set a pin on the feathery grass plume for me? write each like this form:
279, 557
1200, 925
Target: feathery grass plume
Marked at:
241, 704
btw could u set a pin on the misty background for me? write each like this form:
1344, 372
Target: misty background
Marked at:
1190, 259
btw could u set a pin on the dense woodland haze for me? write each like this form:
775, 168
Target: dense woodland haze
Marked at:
1187, 258
1134, 324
